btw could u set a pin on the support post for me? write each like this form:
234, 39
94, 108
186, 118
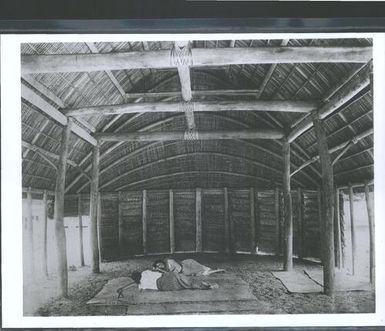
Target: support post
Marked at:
300, 224
198, 220
337, 230
352, 228
172, 221
277, 222
94, 210
328, 202
252, 221
144, 222
45, 233
59, 211
226, 219
369, 207
30, 246
81, 245
120, 223
288, 216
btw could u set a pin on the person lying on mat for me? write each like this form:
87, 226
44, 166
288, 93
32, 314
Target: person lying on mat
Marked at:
187, 267
169, 281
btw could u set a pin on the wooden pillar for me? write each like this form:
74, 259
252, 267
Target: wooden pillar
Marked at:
172, 221
226, 219
144, 222
81, 244
352, 228
94, 210
98, 226
30, 246
337, 230
252, 221
369, 207
59, 211
300, 224
198, 220
288, 215
45, 233
328, 202
320, 222
277, 223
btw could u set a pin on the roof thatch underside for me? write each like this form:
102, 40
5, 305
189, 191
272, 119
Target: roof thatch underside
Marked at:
190, 164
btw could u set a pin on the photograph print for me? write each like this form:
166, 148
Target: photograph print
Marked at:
166, 177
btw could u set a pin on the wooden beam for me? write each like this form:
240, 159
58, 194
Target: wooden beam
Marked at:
201, 135
29, 228
334, 149
59, 212
198, 219
54, 114
200, 57
337, 231
94, 211
144, 222
288, 214
369, 207
328, 203
252, 221
277, 222
45, 234
357, 83
199, 106
226, 219
80, 205
171, 221
301, 236
352, 228
197, 93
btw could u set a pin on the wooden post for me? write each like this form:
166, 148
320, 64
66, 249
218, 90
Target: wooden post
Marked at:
320, 222
144, 222
300, 224
30, 246
369, 207
120, 223
45, 233
277, 220
352, 229
81, 245
94, 210
252, 221
59, 211
226, 220
337, 230
198, 220
98, 223
328, 202
172, 221
288, 221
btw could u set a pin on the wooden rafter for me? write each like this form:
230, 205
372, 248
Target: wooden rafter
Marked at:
200, 57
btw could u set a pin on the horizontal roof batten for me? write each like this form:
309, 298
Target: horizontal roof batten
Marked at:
195, 135
200, 106
199, 57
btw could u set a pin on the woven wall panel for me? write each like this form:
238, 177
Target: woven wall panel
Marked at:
184, 215
109, 228
158, 229
213, 230
239, 210
267, 229
130, 225
312, 240
71, 206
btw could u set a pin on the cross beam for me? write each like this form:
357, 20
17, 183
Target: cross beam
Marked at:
201, 135
201, 106
200, 57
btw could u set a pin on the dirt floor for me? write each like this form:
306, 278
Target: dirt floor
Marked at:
256, 271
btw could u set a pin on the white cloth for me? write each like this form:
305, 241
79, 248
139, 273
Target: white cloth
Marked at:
148, 280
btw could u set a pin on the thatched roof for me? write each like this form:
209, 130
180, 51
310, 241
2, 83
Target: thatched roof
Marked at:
190, 164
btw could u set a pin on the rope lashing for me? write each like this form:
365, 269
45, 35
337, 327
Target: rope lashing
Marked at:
181, 56
191, 135
188, 109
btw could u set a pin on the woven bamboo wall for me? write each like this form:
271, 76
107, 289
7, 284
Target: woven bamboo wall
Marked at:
121, 222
